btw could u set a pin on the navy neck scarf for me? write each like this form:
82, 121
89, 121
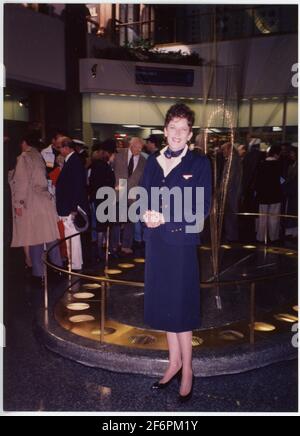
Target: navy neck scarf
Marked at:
169, 153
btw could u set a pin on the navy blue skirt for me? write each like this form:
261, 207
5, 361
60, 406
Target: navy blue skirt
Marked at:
172, 290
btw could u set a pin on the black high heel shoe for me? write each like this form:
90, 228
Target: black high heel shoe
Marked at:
187, 397
159, 386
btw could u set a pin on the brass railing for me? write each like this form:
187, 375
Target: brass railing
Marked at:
105, 280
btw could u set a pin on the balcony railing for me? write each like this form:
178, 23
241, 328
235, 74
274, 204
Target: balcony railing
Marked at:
222, 24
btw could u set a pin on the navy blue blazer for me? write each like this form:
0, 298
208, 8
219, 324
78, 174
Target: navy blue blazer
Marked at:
71, 187
193, 171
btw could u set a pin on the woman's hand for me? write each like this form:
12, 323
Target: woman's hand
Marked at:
153, 219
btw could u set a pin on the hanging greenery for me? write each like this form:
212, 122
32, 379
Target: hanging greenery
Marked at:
142, 50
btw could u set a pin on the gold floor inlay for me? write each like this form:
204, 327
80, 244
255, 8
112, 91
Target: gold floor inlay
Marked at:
111, 271
81, 318
91, 286
83, 295
78, 306
196, 341
264, 327
286, 317
139, 260
142, 339
126, 265
231, 335
107, 331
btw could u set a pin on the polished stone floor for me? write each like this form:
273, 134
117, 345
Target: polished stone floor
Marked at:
38, 380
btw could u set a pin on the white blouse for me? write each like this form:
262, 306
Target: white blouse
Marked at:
168, 165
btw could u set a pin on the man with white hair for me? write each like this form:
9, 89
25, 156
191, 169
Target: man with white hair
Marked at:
129, 165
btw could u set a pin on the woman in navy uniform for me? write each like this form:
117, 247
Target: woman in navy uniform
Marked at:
172, 292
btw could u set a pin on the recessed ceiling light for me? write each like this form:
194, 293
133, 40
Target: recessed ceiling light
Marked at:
132, 126
157, 132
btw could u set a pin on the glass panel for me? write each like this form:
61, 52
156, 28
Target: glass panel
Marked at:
267, 113
292, 112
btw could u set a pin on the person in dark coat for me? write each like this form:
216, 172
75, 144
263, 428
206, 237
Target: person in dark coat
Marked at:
102, 175
290, 189
269, 196
71, 193
233, 171
172, 294
129, 166
251, 162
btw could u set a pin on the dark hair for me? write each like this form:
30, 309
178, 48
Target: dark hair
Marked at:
180, 110
67, 142
33, 139
58, 132
275, 149
294, 149
96, 146
109, 145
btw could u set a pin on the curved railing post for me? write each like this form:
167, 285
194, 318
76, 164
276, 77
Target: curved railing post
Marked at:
102, 314
70, 260
252, 313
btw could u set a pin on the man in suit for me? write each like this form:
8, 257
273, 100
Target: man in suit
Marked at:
234, 168
51, 152
129, 165
71, 192
269, 196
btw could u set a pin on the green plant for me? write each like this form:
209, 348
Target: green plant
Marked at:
143, 50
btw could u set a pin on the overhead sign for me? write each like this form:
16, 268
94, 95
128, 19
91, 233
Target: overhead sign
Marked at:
164, 76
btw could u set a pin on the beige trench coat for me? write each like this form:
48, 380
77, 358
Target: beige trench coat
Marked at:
28, 182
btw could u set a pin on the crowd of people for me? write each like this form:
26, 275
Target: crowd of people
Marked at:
54, 187
263, 183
